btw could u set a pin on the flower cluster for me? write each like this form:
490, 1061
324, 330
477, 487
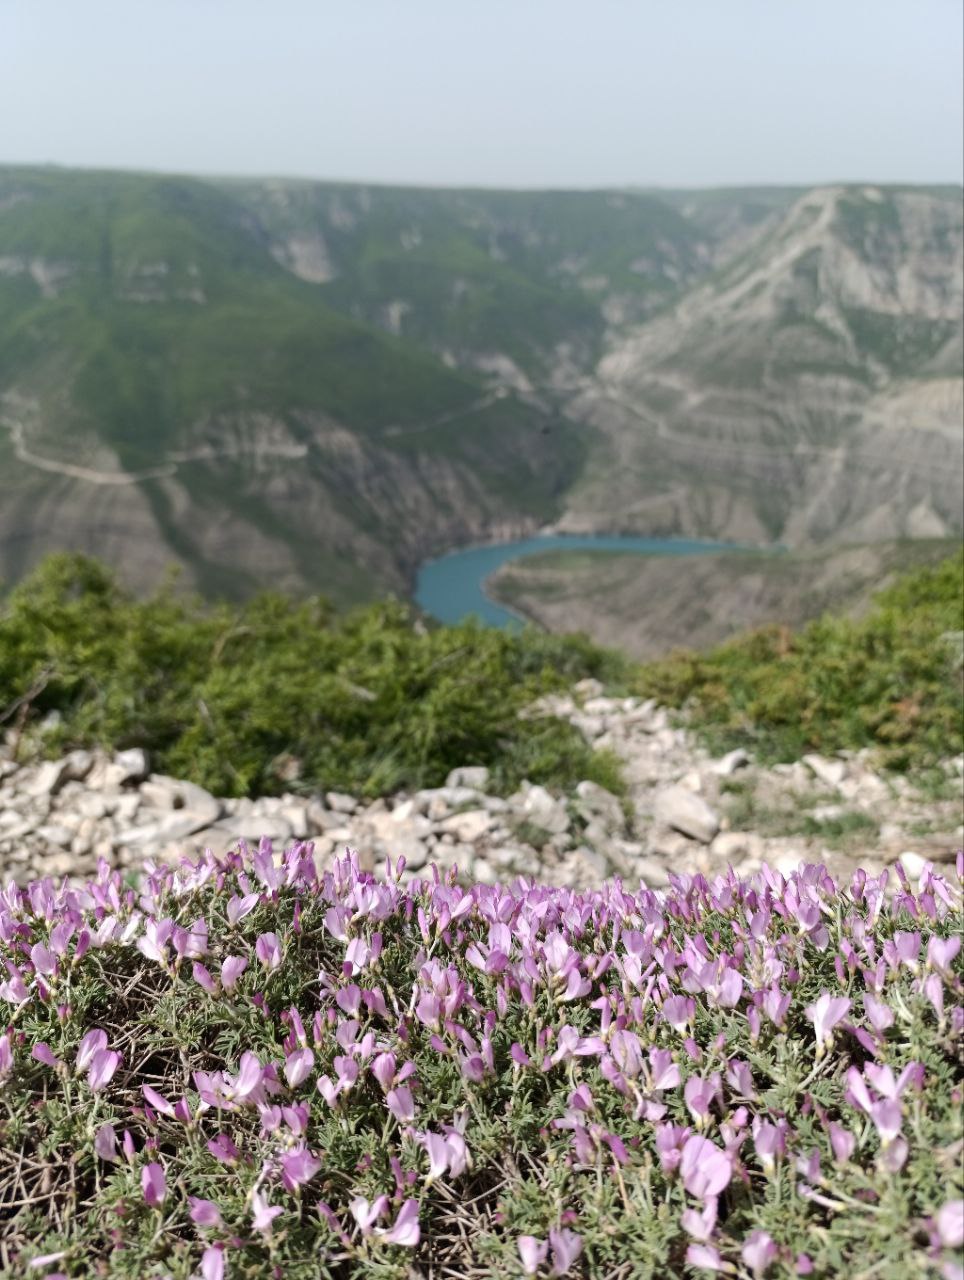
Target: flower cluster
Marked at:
244, 1067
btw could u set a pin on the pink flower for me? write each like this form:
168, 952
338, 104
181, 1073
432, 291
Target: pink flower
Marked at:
157, 1101
842, 1141
406, 1229
401, 1104
533, 1253
203, 978
231, 970
298, 1167
212, 1264
880, 1015
706, 1257
704, 1168
297, 1066
43, 1053
238, 908
699, 1095
44, 961
365, 1214
103, 1065
759, 1252
262, 1213
94, 1041
268, 950
565, 1247
678, 1011
205, 1213
825, 1015
950, 1224
153, 1185
105, 1143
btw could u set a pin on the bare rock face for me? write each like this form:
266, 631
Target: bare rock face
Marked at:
685, 811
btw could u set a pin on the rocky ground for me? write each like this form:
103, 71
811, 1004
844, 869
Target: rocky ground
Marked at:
685, 811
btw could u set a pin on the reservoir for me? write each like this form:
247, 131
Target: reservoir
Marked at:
453, 587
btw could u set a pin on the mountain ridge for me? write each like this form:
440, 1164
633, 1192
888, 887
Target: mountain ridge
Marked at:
348, 378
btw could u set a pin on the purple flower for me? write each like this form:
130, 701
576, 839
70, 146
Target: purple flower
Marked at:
105, 1143
941, 953
223, 1149
950, 1224
238, 908
203, 978
212, 1264
759, 1252
699, 1095
887, 1118
157, 1101
679, 1011
231, 970
842, 1141
565, 1247
705, 1256
44, 961
825, 1015
406, 1229
93, 1042
533, 1253
880, 1015
298, 1167
205, 1213
153, 1185
268, 950
401, 1104
262, 1213
704, 1168
103, 1065
297, 1067
43, 1053
365, 1214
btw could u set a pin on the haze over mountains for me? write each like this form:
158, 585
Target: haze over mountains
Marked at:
319, 385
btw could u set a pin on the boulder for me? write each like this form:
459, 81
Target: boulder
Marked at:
132, 764
687, 812
542, 809
48, 779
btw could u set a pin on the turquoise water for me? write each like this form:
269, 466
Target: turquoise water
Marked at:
452, 587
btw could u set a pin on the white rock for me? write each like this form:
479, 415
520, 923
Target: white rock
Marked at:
48, 778
475, 776
79, 763
55, 833
692, 781
340, 802
728, 846
829, 772
542, 809
588, 688
684, 811
728, 764
133, 763
296, 816
468, 826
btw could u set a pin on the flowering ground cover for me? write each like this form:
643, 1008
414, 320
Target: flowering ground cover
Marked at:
242, 1068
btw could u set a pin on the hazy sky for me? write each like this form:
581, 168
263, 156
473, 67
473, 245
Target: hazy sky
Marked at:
489, 92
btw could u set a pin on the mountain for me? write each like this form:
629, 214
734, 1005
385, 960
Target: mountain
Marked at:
809, 389
318, 385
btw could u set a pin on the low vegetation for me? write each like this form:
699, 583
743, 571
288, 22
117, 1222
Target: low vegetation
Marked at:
892, 680
243, 1069
278, 695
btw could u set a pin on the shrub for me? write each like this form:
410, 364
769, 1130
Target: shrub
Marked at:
241, 1068
236, 697
891, 680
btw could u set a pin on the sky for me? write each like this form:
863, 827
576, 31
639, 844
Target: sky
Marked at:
517, 93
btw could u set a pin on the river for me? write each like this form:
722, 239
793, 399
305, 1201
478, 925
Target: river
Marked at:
453, 587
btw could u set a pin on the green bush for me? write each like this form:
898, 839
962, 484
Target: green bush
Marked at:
278, 694
891, 680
